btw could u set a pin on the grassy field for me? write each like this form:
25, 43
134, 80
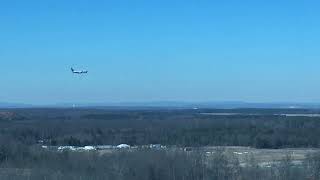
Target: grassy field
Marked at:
263, 157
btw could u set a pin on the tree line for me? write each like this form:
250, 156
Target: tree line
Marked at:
167, 127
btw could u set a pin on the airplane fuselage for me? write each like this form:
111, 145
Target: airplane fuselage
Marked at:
78, 72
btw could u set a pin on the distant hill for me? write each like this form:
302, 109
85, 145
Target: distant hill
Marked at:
181, 104
14, 105
172, 104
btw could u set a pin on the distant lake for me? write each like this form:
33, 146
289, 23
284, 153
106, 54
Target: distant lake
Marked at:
301, 115
248, 114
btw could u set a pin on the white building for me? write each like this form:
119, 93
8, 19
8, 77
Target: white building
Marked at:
89, 148
70, 148
123, 146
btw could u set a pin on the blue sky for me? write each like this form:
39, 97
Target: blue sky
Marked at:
255, 51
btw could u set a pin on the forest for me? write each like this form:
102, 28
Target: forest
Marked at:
80, 127
24, 131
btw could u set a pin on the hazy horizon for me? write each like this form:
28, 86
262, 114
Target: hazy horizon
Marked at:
168, 104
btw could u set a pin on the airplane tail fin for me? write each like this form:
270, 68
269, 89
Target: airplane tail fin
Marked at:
72, 69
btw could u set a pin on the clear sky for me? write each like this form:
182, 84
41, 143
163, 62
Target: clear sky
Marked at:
200, 50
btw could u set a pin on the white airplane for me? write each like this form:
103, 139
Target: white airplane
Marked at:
78, 72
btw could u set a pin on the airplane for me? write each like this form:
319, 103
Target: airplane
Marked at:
78, 72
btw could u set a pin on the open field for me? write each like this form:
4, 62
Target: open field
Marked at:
263, 157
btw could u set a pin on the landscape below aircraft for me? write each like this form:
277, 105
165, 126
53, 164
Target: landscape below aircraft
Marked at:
78, 72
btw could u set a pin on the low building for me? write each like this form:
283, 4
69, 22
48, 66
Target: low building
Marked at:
89, 148
66, 148
123, 146
157, 146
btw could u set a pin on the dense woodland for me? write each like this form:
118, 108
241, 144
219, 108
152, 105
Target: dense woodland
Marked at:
81, 127
23, 131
